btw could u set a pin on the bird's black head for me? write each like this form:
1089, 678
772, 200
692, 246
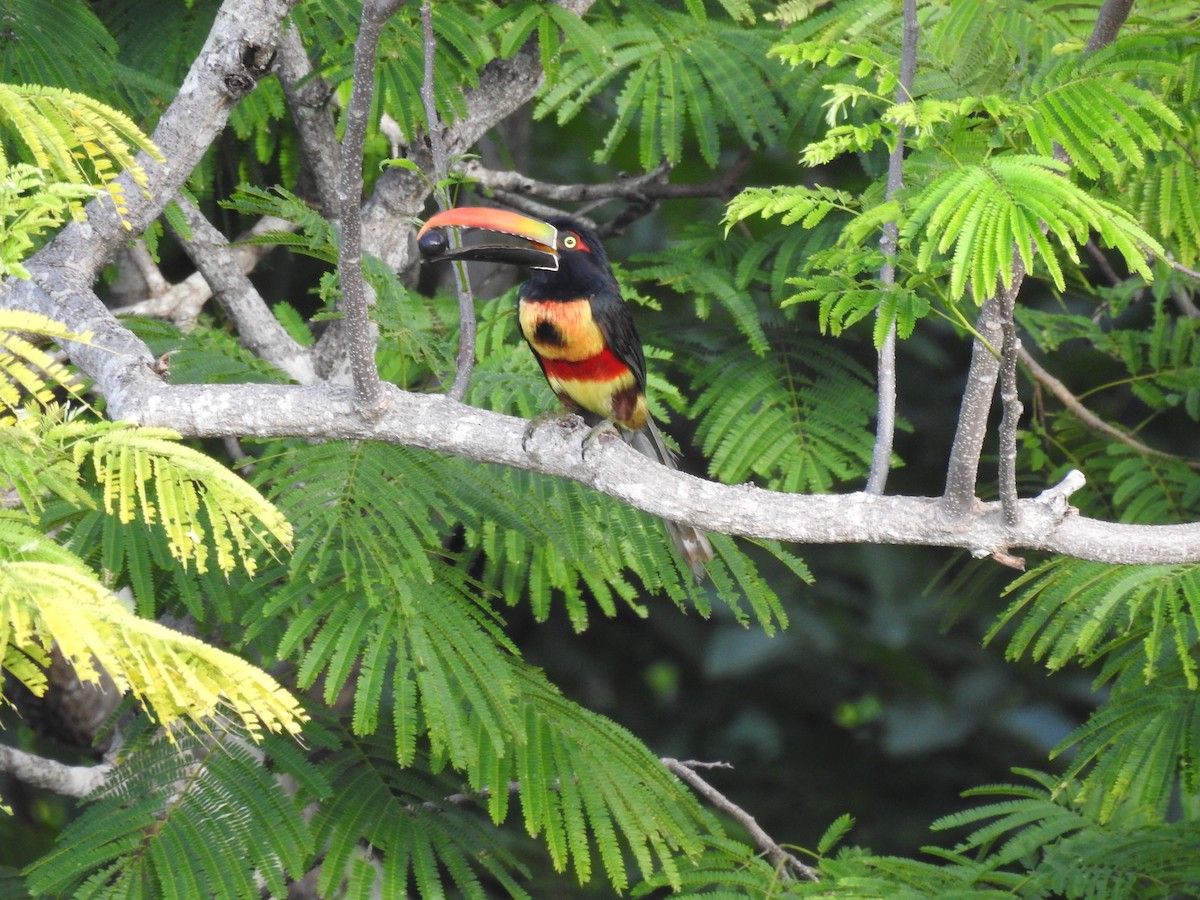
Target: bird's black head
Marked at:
583, 267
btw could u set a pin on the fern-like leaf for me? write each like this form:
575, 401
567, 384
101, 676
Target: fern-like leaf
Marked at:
681, 72
988, 212
75, 139
1102, 120
178, 677
193, 818
1078, 610
28, 371
145, 472
798, 418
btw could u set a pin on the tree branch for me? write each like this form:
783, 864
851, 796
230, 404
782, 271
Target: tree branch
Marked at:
963, 470
885, 417
308, 99
464, 363
258, 330
784, 862
68, 781
1010, 399
652, 185
360, 334
1109, 20
181, 303
121, 368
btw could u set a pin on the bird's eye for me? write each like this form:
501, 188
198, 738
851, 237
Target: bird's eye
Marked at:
570, 242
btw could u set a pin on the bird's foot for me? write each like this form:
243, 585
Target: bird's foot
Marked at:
563, 418
602, 434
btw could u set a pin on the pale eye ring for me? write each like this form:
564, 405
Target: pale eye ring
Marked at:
570, 241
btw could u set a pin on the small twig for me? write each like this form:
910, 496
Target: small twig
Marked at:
785, 862
464, 363
1180, 267
652, 185
1086, 416
1184, 303
360, 334
885, 416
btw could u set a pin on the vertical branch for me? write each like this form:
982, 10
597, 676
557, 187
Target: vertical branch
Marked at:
1109, 20
464, 362
361, 342
307, 97
885, 418
1009, 397
963, 468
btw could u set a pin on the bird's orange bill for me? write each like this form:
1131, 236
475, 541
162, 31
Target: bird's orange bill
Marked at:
490, 235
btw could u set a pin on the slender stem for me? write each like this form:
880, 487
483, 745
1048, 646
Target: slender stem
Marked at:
1077, 408
464, 363
1009, 397
360, 334
885, 417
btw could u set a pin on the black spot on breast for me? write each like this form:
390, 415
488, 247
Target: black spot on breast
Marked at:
547, 332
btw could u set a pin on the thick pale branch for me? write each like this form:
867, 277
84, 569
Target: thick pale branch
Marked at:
120, 366
69, 781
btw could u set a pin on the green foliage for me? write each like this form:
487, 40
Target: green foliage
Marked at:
49, 596
1076, 610
990, 214
436, 759
201, 816
462, 50
419, 829
54, 42
683, 75
797, 418
30, 206
75, 140
1069, 852
77, 146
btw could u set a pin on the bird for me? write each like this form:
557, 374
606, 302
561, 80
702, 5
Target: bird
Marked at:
579, 327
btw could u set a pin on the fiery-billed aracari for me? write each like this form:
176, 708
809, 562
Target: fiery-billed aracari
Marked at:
573, 316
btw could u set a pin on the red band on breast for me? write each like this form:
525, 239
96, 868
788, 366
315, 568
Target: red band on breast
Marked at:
601, 367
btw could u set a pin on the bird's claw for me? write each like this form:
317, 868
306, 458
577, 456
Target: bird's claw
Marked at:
553, 415
602, 433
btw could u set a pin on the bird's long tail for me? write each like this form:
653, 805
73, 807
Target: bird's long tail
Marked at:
691, 543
